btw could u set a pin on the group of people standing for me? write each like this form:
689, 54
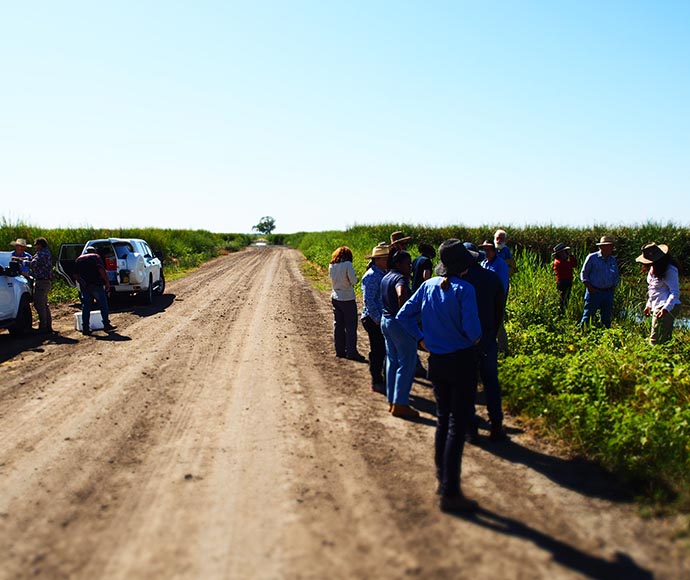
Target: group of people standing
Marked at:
38, 268
456, 317
600, 275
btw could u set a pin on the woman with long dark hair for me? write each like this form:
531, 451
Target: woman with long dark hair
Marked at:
663, 290
450, 331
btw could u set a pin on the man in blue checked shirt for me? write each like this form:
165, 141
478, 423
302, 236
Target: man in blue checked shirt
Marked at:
371, 314
600, 275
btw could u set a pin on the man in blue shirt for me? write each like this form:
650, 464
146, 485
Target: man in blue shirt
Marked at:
371, 314
498, 265
600, 276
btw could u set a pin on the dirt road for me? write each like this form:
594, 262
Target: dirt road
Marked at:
215, 435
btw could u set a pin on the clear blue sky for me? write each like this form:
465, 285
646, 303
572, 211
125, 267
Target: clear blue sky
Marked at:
325, 114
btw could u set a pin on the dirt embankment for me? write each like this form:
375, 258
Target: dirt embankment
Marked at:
215, 435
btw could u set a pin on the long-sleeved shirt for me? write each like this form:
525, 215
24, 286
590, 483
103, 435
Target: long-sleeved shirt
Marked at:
371, 291
41, 265
663, 292
344, 279
490, 299
600, 272
499, 266
450, 320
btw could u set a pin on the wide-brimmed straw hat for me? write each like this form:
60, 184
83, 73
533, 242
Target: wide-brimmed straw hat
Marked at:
605, 241
455, 258
20, 242
380, 250
560, 247
398, 237
651, 253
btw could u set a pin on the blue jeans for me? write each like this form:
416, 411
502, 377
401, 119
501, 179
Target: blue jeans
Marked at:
601, 300
88, 295
401, 360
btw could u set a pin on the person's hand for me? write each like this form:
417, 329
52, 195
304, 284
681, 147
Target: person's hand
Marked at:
661, 313
591, 288
647, 311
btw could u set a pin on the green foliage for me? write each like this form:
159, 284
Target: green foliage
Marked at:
606, 392
266, 225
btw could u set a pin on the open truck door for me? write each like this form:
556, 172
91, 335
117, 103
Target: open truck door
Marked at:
66, 259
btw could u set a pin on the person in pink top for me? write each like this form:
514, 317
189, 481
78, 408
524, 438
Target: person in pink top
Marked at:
563, 265
663, 303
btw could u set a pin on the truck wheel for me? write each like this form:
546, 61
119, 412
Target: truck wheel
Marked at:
147, 295
161, 285
23, 322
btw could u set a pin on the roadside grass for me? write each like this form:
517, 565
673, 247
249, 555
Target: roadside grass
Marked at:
182, 250
605, 393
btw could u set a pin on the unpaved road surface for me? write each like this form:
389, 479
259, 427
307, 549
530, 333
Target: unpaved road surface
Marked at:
215, 435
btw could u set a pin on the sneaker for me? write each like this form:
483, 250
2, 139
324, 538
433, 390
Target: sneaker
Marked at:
356, 357
86, 331
457, 504
404, 412
109, 327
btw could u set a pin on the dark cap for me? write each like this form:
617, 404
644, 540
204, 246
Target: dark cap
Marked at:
560, 247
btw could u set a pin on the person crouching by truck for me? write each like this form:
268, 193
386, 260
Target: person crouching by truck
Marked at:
93, 285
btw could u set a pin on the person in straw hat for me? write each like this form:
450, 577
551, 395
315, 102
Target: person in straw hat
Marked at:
19, 254
399, 243
450, 331
663, 290
600, 275
371, 314
563, 265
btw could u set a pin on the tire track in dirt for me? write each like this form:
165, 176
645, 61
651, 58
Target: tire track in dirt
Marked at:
225, 440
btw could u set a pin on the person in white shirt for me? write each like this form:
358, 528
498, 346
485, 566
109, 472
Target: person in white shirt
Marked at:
663, 290
343, 277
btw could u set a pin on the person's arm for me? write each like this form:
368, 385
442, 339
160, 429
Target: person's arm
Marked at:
426, 273
671, 279
104, 276
499, 307
403, 293
584, 274
351, 276
409, 313
371, 292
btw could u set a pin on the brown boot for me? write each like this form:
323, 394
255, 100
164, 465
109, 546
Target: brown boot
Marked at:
404, 412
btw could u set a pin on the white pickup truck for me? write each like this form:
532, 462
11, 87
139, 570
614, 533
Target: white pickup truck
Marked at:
132, 267
15, 296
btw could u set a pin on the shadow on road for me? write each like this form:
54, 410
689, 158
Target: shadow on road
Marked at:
568, 556
11, 346
580, 475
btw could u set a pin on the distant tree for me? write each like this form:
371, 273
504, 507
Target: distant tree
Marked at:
266, 225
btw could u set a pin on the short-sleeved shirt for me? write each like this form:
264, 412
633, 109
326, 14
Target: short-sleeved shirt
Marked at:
419, 265
87, 268
389, 294
564, 268
23, 256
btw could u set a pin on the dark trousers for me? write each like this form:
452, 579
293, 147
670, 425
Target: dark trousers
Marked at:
487, 361
453, 377
345, 327
88, 295
564, 287
377, 349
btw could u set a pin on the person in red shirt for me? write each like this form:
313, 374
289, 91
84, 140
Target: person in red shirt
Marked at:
564, 264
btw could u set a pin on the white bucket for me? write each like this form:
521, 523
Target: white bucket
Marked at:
95, 320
